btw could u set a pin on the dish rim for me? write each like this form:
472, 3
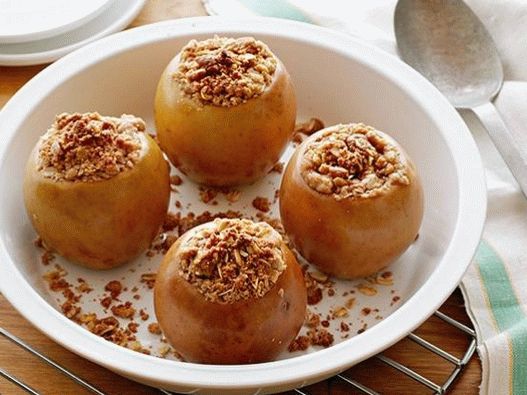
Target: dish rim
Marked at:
56, 30
131, 8
440, 284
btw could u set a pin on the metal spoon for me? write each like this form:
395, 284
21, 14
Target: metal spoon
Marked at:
447, 43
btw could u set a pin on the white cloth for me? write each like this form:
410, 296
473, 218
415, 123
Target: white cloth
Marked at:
501, 323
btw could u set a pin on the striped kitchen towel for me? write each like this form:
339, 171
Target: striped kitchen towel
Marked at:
494, 286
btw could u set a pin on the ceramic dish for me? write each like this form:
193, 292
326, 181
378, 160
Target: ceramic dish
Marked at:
30, 20
116, 16
337, 79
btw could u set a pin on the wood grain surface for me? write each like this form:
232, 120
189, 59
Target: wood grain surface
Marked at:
372, 372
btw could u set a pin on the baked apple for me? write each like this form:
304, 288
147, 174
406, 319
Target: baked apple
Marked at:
230, 292
351, 200
97, 188
225, 110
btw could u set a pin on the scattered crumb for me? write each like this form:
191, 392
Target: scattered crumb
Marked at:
384, 278
233, 196
364, 327
277, 168
395, 299
350, 303
176, 180
314, 295
300, 343
83, 286
47, 257
154, 328
302, 130
133, 326
321, 337
366, 290
207, 194
164, 350
149, 279
365, 311
312, 319
340, 312
144, 315
309, 127
262, 204
125, 310
106, 302
115, 288
318, 276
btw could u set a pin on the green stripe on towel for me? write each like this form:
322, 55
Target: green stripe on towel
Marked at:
275, 8
507, 311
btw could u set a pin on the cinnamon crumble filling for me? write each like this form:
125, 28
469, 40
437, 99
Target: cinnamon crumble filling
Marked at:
352, 161
232, 260
224, 71
90, 147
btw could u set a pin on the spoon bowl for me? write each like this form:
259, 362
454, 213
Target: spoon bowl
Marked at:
446, 42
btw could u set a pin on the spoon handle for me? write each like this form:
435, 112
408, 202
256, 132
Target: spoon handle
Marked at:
511, 151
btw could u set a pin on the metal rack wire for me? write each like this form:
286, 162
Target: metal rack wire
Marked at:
458, 364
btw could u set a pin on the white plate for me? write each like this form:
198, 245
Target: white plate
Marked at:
337, 79
115, 17
30, 20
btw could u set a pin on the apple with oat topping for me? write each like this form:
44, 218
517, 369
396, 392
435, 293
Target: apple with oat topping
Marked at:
97, 188
351, 200
230, 292
225, 110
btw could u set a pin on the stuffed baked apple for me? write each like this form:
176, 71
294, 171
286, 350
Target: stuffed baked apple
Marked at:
225, 110
229, 292
97, 188
351, 200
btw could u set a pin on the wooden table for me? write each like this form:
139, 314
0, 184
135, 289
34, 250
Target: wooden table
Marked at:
372, 372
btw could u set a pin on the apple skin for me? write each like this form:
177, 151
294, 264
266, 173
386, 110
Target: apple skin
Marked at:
350, 238
246, 331
100, 224
225, 146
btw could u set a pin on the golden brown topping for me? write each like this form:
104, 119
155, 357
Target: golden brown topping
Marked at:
232, 260
352, 161
225, 71
89, 147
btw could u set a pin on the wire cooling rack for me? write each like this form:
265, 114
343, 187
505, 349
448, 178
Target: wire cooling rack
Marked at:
458, 364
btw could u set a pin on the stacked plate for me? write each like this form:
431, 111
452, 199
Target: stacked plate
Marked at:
41, 31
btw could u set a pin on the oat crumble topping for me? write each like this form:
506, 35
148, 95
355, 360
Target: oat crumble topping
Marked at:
89, 147
224, 71
352, 161
232, 260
